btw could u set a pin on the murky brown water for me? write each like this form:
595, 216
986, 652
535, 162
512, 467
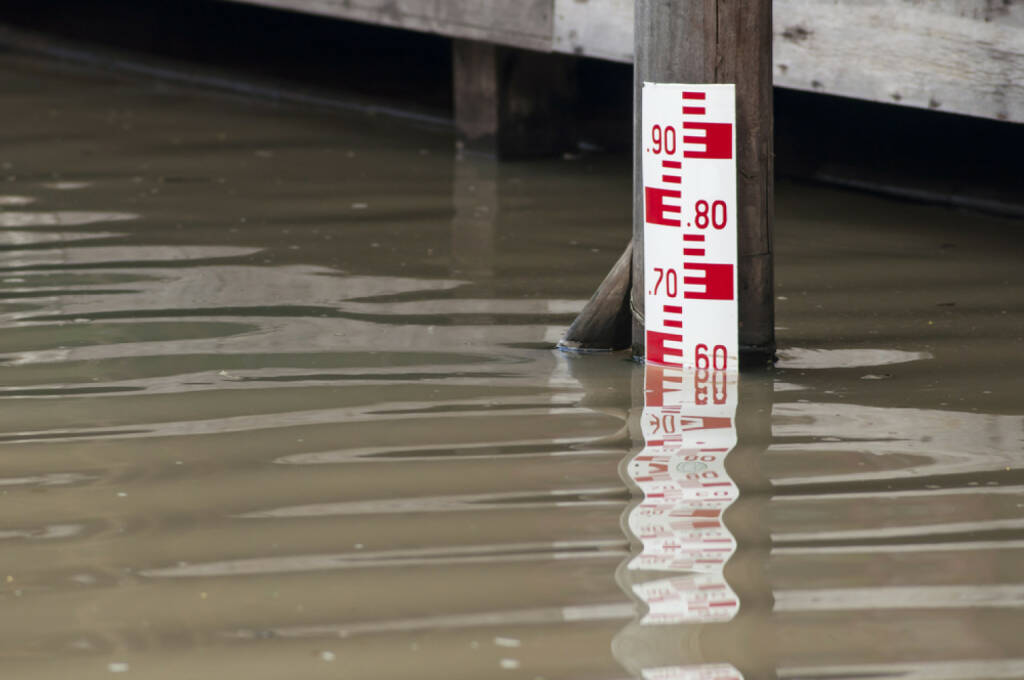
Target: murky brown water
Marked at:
279, 401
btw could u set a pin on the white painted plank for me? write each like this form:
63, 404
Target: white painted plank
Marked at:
523, 23
902, 52
594, 28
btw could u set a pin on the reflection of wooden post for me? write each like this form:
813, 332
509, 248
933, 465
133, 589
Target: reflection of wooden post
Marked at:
717, 41
475, 201
749, 640
512, 103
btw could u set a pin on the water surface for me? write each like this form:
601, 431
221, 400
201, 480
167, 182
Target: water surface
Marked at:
279, 400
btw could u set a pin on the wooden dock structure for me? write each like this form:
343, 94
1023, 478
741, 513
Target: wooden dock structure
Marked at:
957, 56
511, 87
512, 82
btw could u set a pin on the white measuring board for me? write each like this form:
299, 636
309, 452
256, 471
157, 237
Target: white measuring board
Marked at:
690, 216
689, 428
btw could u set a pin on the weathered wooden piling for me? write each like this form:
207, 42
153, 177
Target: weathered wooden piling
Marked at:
512, 103
717, 41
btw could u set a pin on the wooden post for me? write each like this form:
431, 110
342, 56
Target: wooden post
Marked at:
512, 103
717, 41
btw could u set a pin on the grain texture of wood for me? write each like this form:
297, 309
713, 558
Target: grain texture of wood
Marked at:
596, 28
743, 55
523, 23
959, 56
717, 41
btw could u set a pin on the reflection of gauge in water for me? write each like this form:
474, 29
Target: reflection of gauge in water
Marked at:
691, 467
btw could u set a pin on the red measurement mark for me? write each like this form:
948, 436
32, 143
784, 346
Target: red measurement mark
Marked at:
715, 278
716, 140
672, 179
673, 309
694, 95
655, 206
693, 110
699, 238
693, 252
659, 353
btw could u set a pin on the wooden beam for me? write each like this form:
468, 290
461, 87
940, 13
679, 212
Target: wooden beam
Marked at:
512, 103
717, 41
475, 85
